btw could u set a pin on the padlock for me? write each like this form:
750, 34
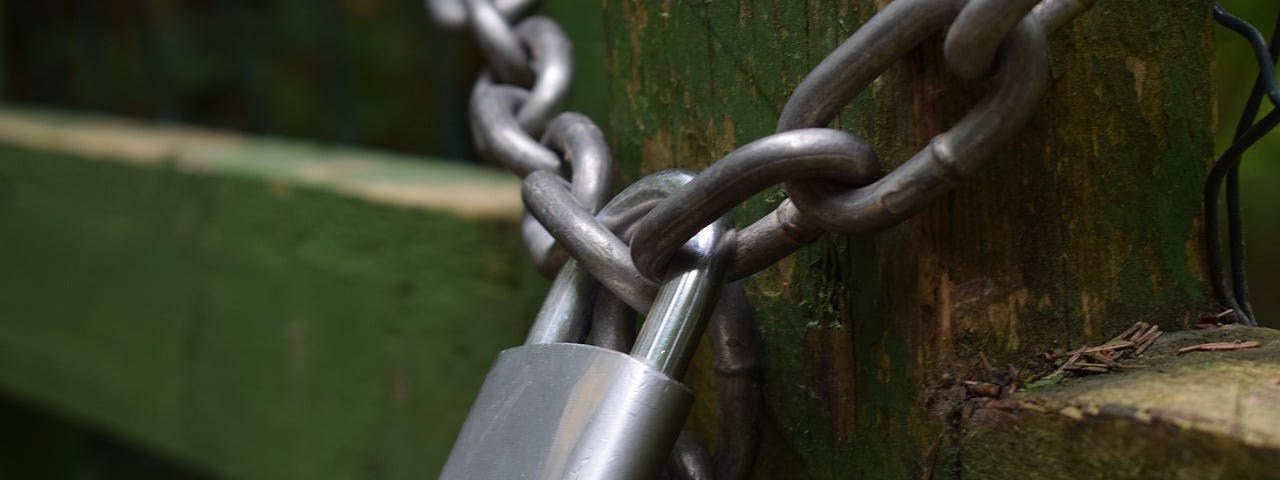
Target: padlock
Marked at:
552, 409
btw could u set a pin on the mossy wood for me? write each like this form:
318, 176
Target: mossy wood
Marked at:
1087, 223
1198, 415
255, 308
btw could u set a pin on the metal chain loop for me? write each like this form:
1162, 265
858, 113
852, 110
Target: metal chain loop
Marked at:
979, 31
552, 64
949, 157
833, 178
506, 54
497, 132
1053, 14
579, 141
546, 254
828, 203
772, 238
740, 175
452, 14
576, 138
589, 241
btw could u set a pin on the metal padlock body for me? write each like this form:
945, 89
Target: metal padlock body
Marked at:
564, 410
553, 409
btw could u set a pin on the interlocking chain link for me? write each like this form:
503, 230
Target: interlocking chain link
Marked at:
833, 179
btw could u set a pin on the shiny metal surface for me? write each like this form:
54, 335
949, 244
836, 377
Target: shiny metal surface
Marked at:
770, 239
738, 356
591, 239
552, 64
845, 72
452, 14
498, 135
580, 142
597, 249
690, 459
448, 14
506, 54
613, 323
1053, 14
595, 428
1021, 81
561, 411
796, 154
679, 314
976, 34
563, 316
546, 254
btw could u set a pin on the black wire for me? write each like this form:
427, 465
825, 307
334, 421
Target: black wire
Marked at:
1247, 133
1266, 63
1235, 224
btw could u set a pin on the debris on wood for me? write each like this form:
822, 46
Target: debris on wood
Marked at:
1220, 346
982, 389
1102, 358
1208, 322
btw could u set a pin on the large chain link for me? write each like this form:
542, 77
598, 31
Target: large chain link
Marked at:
833, 179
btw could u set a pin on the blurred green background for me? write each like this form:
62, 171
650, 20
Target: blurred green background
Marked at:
1260, 172
376, 74
367, 72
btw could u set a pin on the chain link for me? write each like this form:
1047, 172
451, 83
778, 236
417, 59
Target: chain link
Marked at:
833, 179
452, 14
741, 174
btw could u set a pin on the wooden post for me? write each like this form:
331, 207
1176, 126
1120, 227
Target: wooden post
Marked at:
1088, 223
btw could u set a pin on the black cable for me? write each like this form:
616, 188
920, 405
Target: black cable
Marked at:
1228, 166
1266, 63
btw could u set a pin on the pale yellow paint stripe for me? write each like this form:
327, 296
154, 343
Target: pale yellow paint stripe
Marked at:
362, 174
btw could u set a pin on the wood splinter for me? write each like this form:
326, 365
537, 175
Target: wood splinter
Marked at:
1220, 346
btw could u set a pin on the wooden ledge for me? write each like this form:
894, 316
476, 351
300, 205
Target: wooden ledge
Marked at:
1196, 415
402, 180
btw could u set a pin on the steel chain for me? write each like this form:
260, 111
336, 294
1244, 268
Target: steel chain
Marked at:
833, 178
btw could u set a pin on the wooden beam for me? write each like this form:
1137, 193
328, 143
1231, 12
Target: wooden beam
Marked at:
1211, 415
257, 308
1088, 222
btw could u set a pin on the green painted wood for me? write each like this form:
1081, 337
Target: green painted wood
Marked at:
257, 308
36, 444
1089, 222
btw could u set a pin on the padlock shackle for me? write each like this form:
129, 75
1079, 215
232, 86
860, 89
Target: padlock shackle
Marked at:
554, 409
669, 336
565, 312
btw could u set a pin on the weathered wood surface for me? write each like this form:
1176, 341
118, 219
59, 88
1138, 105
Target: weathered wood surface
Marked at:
256, 308
1087, 223
1201, 415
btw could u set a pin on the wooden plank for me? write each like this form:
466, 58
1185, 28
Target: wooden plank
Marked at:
259, 308
1210, 415
1089, 222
